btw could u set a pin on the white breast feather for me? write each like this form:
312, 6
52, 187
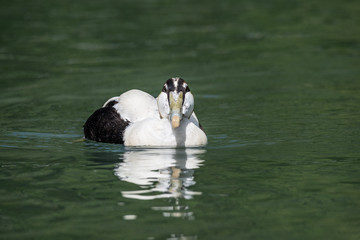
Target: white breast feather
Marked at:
158, 132
148, 129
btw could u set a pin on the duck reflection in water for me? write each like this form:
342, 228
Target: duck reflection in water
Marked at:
161, 173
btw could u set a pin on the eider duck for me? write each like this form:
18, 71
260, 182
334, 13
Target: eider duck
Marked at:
135, 118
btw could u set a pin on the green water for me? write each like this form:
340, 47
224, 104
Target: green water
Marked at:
277, 89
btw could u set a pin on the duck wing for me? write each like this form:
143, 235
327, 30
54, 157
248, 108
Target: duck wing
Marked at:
106, 125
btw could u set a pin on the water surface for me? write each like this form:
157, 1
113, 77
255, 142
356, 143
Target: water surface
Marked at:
276, 86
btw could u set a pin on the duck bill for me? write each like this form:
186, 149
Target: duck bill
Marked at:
175, 121
176, 101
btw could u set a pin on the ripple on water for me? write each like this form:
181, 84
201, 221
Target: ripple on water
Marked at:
42, 135
35, 139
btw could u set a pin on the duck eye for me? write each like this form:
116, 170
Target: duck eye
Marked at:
164, 89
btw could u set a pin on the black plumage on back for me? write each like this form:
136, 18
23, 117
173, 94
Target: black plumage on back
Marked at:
106, 125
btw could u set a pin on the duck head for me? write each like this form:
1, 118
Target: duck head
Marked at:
175, 101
